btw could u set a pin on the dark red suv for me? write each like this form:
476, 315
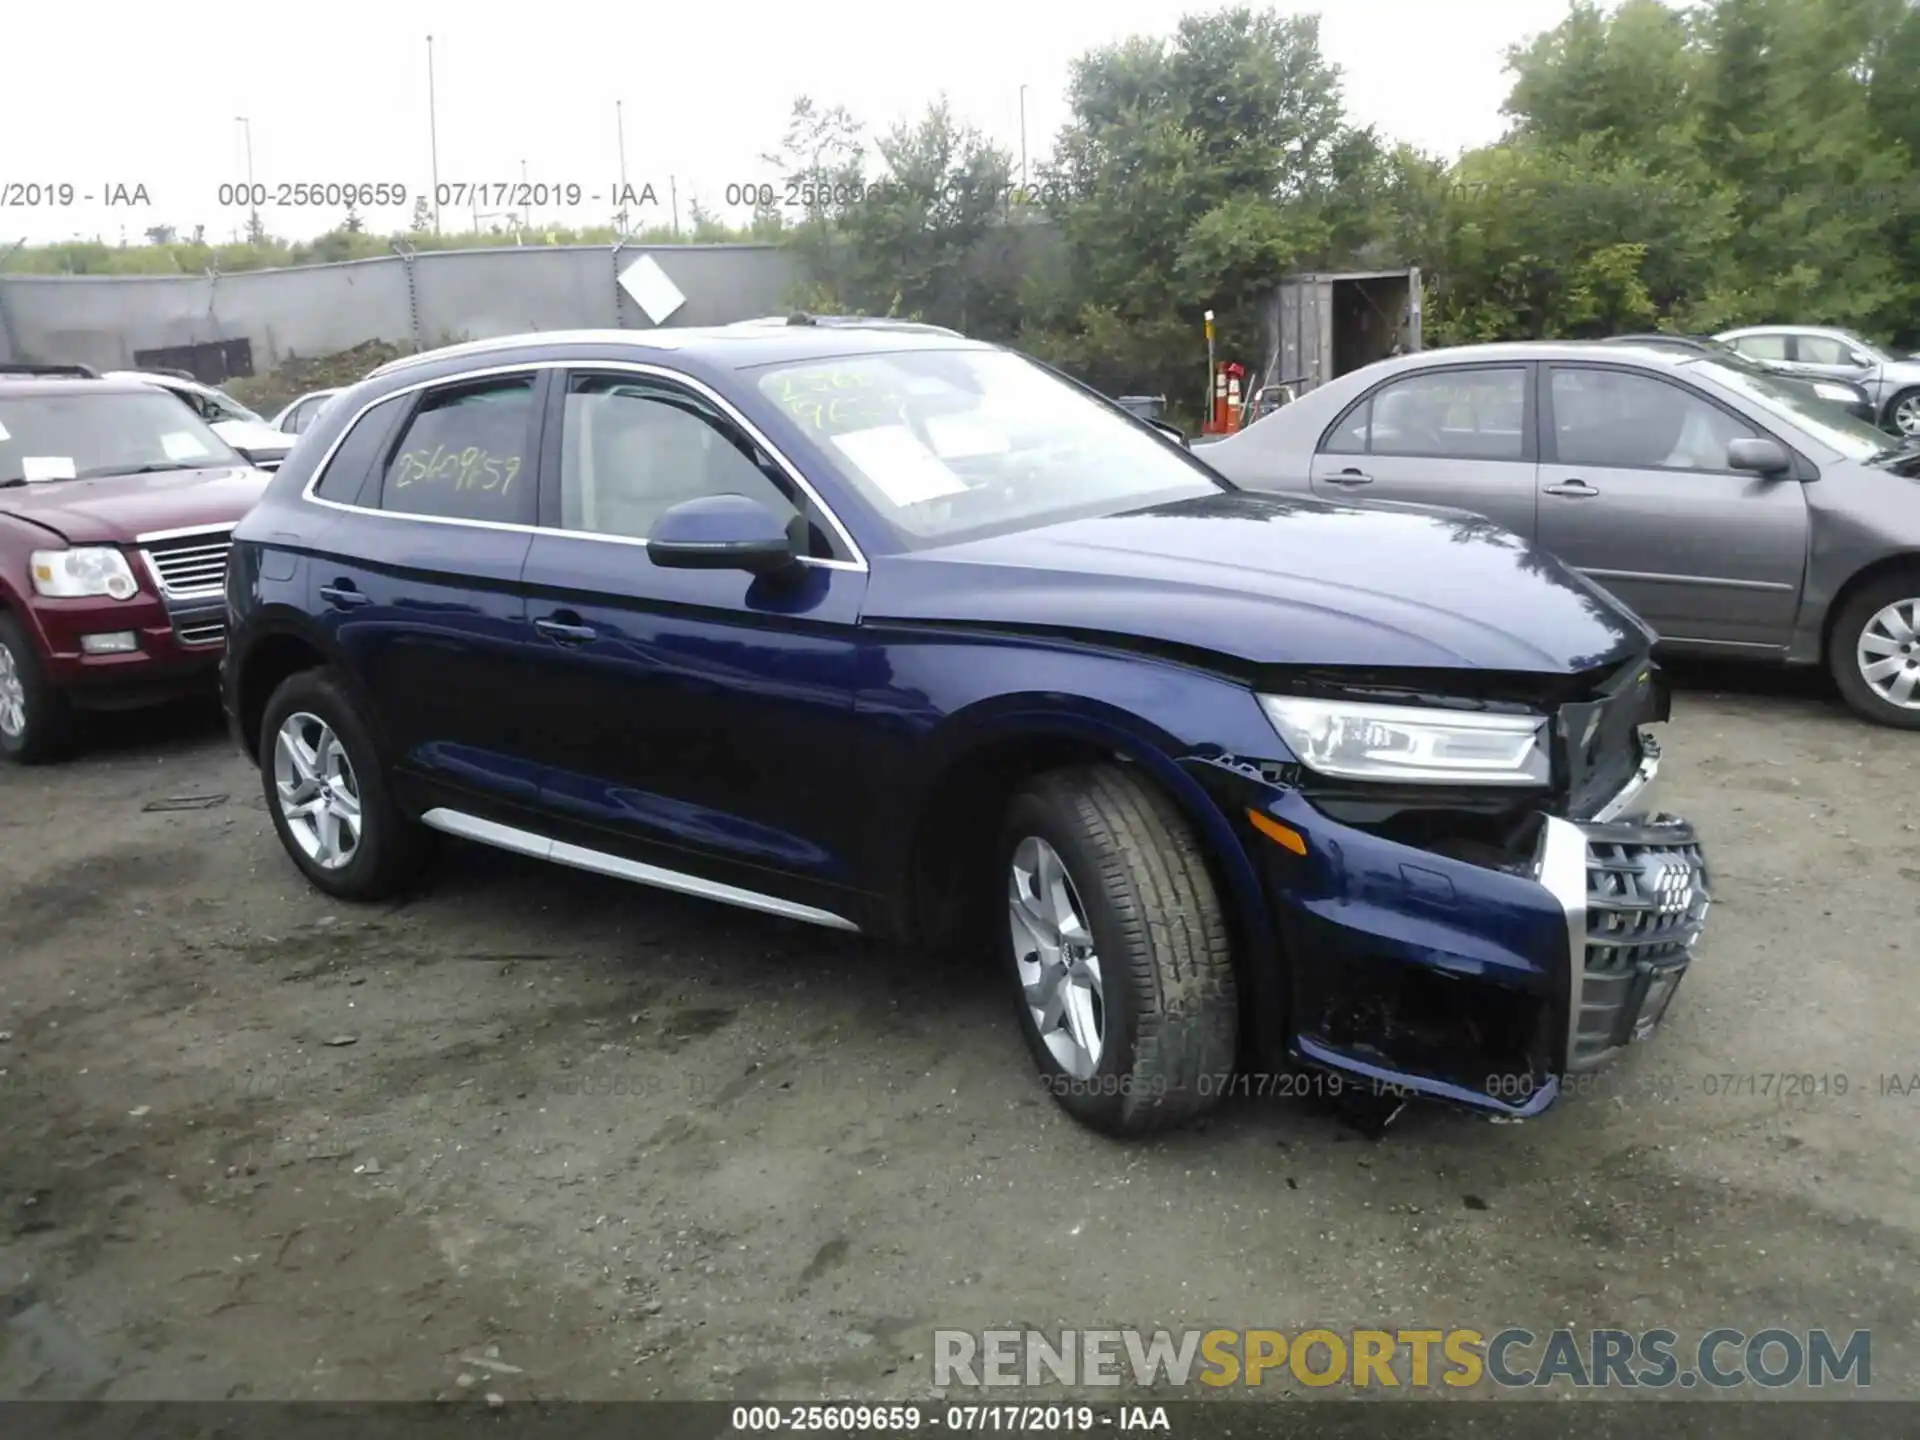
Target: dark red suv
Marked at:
117, 504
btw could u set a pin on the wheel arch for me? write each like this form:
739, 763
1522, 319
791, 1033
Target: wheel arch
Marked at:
274, 647
1897, 563
966, 796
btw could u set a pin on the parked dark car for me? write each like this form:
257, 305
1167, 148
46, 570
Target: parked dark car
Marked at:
115, 505
1850, 397
904, 634
1733, 514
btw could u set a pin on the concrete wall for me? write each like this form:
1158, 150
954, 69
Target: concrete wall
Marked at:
101, 320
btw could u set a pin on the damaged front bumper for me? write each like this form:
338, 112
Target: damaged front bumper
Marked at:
1483, 980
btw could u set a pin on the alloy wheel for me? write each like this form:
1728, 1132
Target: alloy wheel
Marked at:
1888, 653
1906, 415
319, 793
1054, 952
13, 696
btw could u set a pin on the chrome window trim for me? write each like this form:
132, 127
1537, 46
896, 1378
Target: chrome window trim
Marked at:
634, 367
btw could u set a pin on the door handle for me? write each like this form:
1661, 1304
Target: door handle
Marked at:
565, 633
1575, 488
1349, 476
343, 594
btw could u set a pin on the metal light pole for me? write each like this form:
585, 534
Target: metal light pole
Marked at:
433, 136
620, 129
1023, 137
246, 127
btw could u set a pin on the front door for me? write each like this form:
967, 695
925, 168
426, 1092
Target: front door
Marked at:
698, 720
1458, 435
1636, 492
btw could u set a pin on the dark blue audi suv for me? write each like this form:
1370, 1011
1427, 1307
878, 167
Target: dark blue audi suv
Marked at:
885, 629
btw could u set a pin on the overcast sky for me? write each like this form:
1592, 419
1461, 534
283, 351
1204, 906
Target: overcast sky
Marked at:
131, 94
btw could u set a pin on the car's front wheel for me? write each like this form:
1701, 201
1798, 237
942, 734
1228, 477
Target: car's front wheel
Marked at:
328, 794
1903, 414
1118, 944
1875, 652
35, 722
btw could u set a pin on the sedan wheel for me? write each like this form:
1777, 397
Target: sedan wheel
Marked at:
1875, 651
319, 795
1905, 414
1888, 653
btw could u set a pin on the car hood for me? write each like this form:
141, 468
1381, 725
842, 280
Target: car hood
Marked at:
254, 435
1276, 580
117, 509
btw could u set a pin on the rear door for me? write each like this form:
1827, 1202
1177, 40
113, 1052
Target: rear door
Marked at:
420, 578
1447, 435
1635, 492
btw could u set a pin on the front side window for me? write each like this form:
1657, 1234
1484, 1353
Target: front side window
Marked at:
1618, 419
1443, 414
465, 455
633, 449
946, 442
83, 433
1822, 350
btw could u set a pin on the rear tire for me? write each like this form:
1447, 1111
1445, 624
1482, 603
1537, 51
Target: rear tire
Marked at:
36, 723
1875, 651
1115, 934
328, 793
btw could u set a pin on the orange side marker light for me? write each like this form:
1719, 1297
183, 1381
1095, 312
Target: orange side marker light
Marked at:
1285, 836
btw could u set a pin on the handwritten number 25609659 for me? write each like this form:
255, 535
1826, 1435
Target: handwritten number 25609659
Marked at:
470, 469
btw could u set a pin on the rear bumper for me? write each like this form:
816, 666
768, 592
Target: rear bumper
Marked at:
1483, 984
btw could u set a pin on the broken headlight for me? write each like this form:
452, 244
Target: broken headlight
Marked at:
1353, 741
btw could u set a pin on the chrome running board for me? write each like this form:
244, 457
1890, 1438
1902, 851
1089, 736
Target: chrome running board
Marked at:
542, 847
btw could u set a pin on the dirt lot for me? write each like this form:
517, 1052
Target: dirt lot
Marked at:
255, 1143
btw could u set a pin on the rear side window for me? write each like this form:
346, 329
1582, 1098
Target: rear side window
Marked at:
1477, 414
1762, 347
344, 480
466, 455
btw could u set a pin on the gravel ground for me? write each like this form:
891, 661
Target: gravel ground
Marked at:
558, 1136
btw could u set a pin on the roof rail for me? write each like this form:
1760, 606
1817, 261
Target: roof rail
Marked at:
72, 372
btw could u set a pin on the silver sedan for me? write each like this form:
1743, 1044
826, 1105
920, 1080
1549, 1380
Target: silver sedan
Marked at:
1736, 515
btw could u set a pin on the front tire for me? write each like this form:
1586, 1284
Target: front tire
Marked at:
1118, 946
1875, 651
36, 723
1903, 413
328, 794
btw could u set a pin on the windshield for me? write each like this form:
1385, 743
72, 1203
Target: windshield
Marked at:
1822, 419
944, 442
76, 435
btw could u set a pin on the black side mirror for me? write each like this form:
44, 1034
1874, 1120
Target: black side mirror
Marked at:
721, 532
1173, 433
1759, 455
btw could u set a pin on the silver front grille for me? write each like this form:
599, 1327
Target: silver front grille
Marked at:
201, 632
1647, 899
189, 566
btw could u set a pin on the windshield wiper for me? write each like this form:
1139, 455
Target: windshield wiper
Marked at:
101, 472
